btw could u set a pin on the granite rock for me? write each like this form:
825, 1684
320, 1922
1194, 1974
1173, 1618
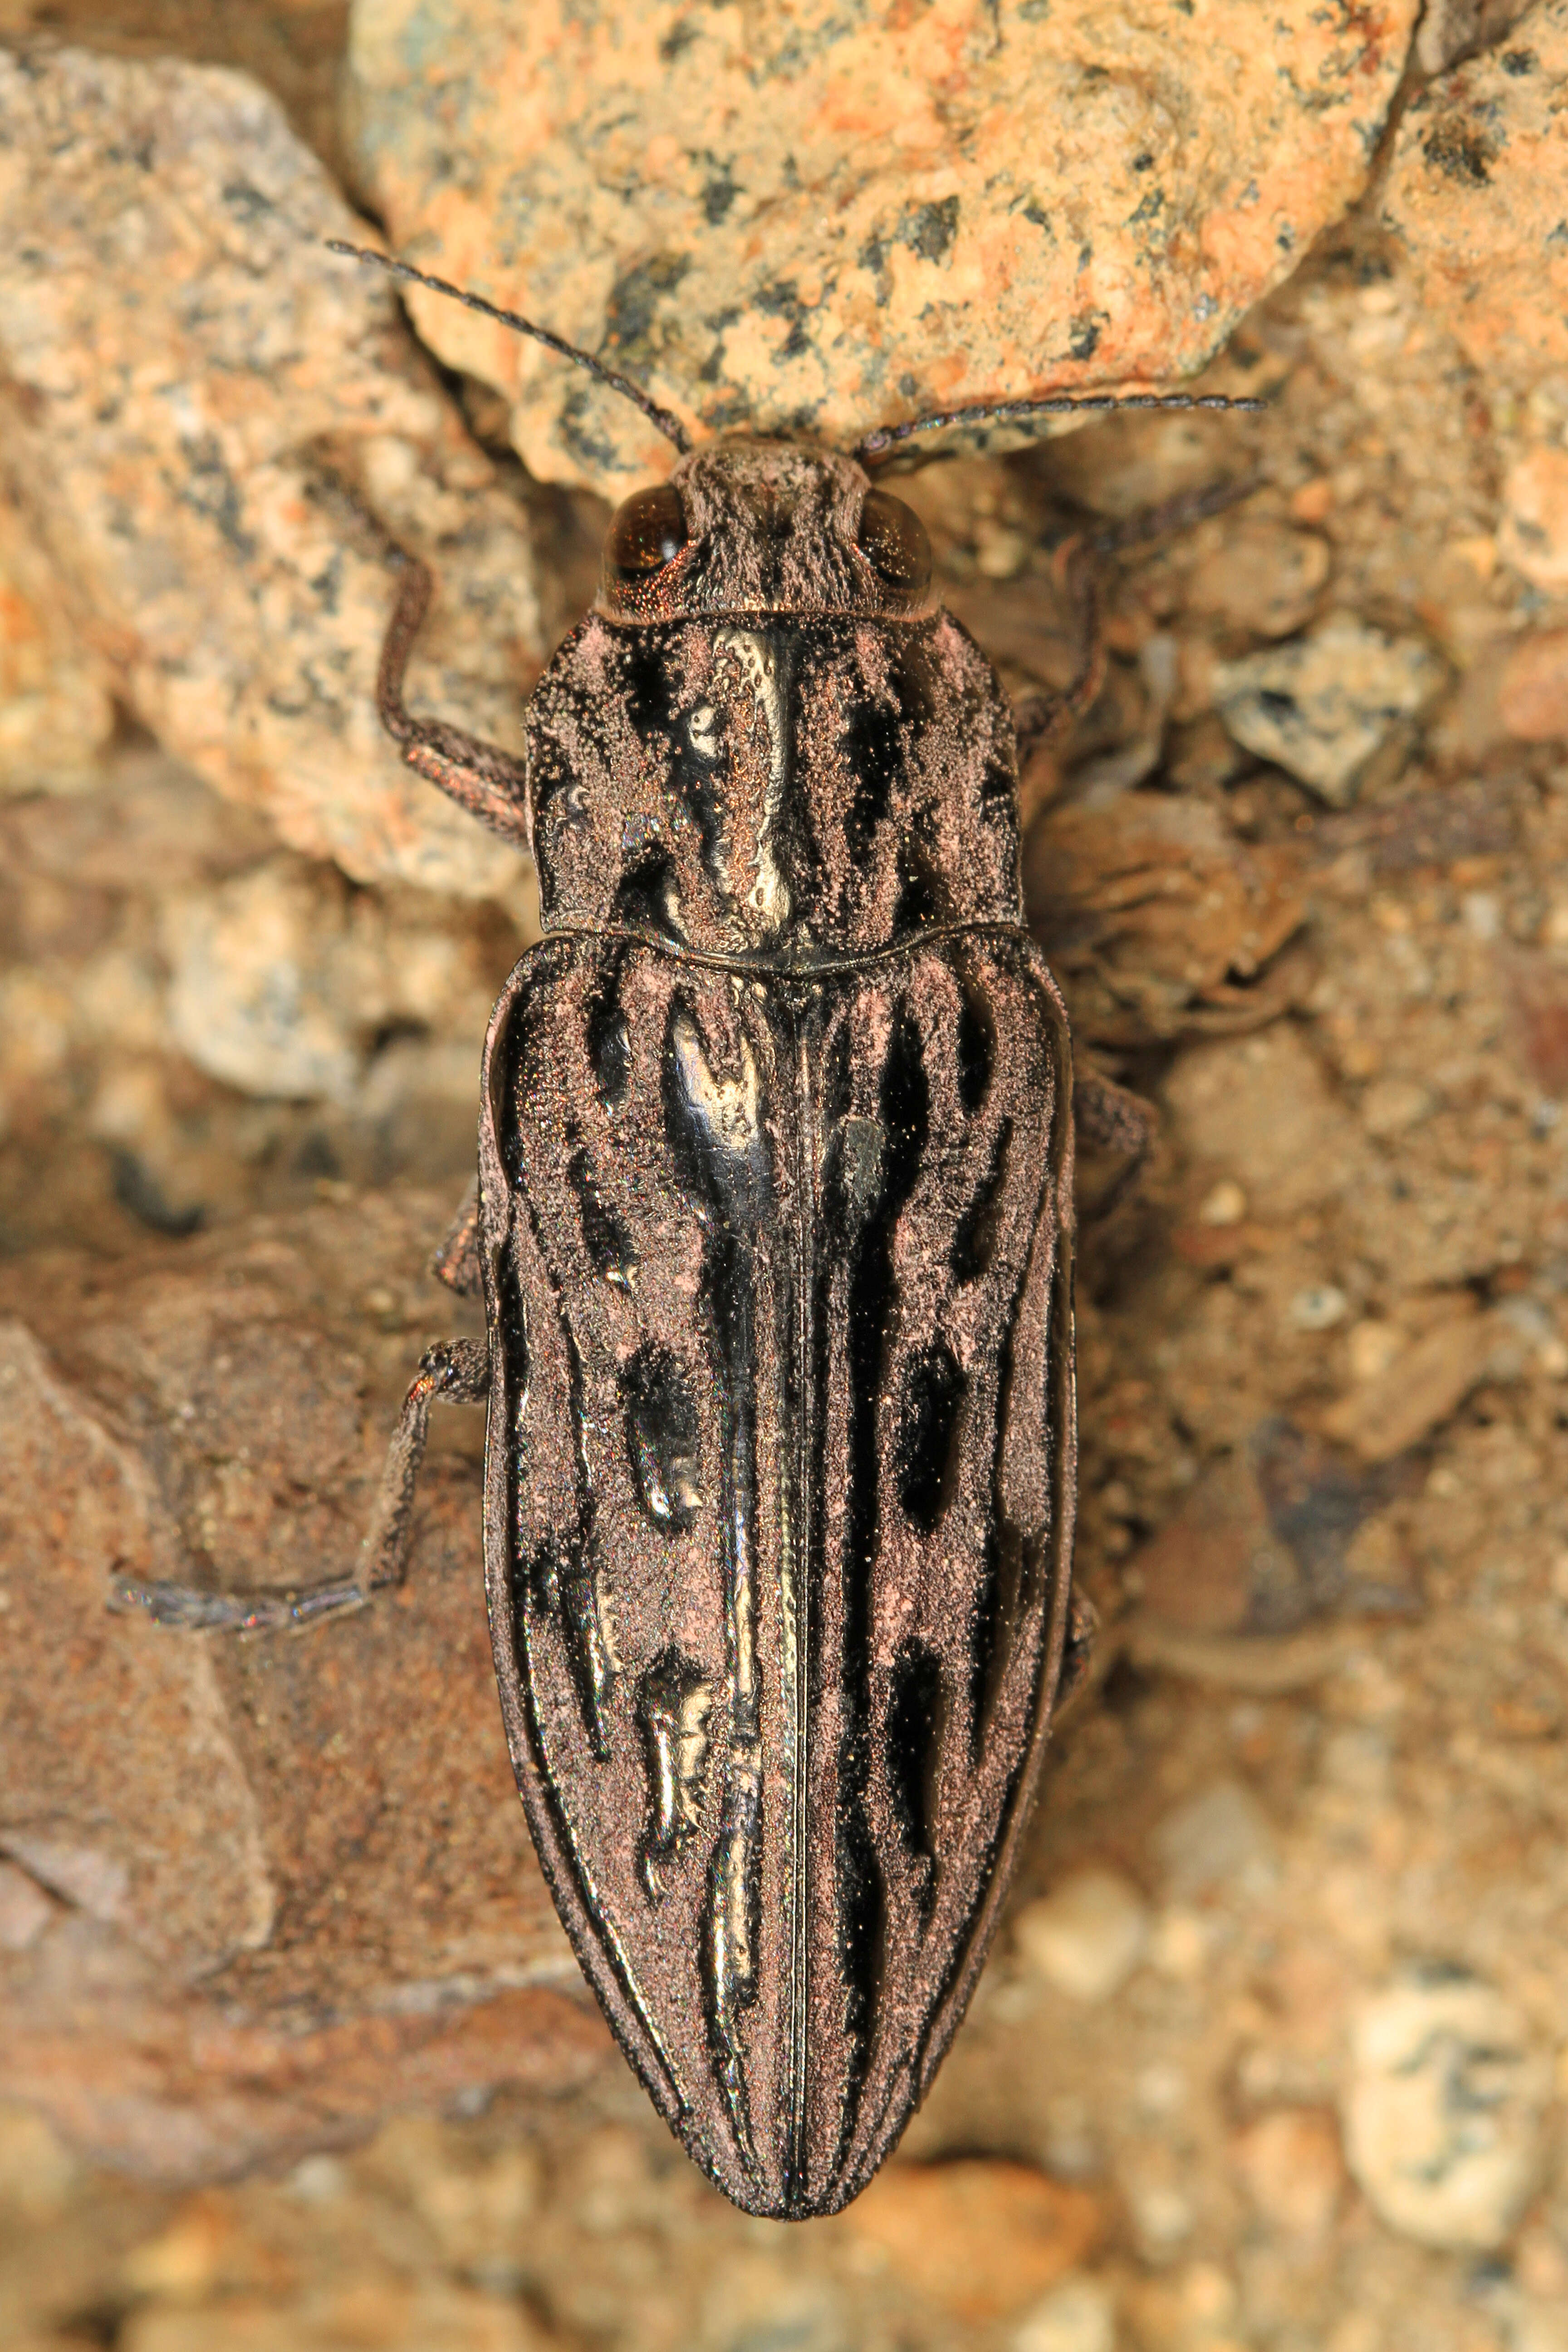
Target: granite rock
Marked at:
1533, 536
281, 1887
1322, 706
823, 219
1474, 194
215, 434
1443, 2107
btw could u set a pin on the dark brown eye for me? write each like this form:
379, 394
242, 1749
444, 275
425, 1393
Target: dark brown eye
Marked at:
646, 533
893, 541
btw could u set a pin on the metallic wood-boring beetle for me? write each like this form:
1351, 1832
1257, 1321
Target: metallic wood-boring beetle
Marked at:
773, 1223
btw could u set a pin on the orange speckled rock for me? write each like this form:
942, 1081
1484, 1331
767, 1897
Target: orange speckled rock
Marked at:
215, 432
820, 218
1478, 194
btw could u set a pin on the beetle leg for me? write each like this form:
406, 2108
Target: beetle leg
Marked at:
490, 784
1108, 1117
1045, 719
457, 1372
1077, 1651
457, 1262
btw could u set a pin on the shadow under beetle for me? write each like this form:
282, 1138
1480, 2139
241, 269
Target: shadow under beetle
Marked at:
773, 1224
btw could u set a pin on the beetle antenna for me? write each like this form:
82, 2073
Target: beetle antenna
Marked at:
1053, 404
662, 419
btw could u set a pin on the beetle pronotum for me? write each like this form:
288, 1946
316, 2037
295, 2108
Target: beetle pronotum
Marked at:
773, 1226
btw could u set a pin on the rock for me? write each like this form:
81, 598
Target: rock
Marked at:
282, 980
215, 432
1087, 1935
1533, 694
1263, 577
1322, 706
1290, 2166
1220, 1838
1260, 1109
1079, 2315
977, 2236
1533, 534
1442, 2110
288, 1884
1475, 195
25, 1909
868, 223
1157, 902
57, 708
1419, 1389
1259, 1543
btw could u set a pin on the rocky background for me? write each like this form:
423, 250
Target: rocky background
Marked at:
1273, 2050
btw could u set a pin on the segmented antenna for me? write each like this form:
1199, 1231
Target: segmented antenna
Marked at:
660, 418
1055, 404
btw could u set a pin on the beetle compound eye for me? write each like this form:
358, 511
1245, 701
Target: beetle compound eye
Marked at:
893, 541
646, 533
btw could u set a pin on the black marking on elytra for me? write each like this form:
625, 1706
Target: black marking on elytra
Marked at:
974, 1239
976, 1045
916, 1721
904, 1115
608, 1245
934, 1389
660, 1406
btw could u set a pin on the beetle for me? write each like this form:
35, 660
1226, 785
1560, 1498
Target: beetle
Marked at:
773, 1227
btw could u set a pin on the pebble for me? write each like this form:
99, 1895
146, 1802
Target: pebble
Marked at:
1323, 705
1421, 1386
1319, 1307
1532, 693
1087, 1935
979, 2236
1290, 2166
1442, 2110
219, 432
1220, 1838
1475, 195
1533, 533
1079, 2315
1223, 1204
867, 222
1263, 577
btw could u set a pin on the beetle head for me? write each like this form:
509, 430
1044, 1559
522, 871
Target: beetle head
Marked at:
764, 527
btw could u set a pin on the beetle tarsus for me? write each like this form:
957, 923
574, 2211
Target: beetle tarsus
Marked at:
490, 784
456, 1372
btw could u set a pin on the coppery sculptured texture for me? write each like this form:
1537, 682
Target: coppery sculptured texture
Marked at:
1477, 191
214, 433
775, 1187
814, 219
